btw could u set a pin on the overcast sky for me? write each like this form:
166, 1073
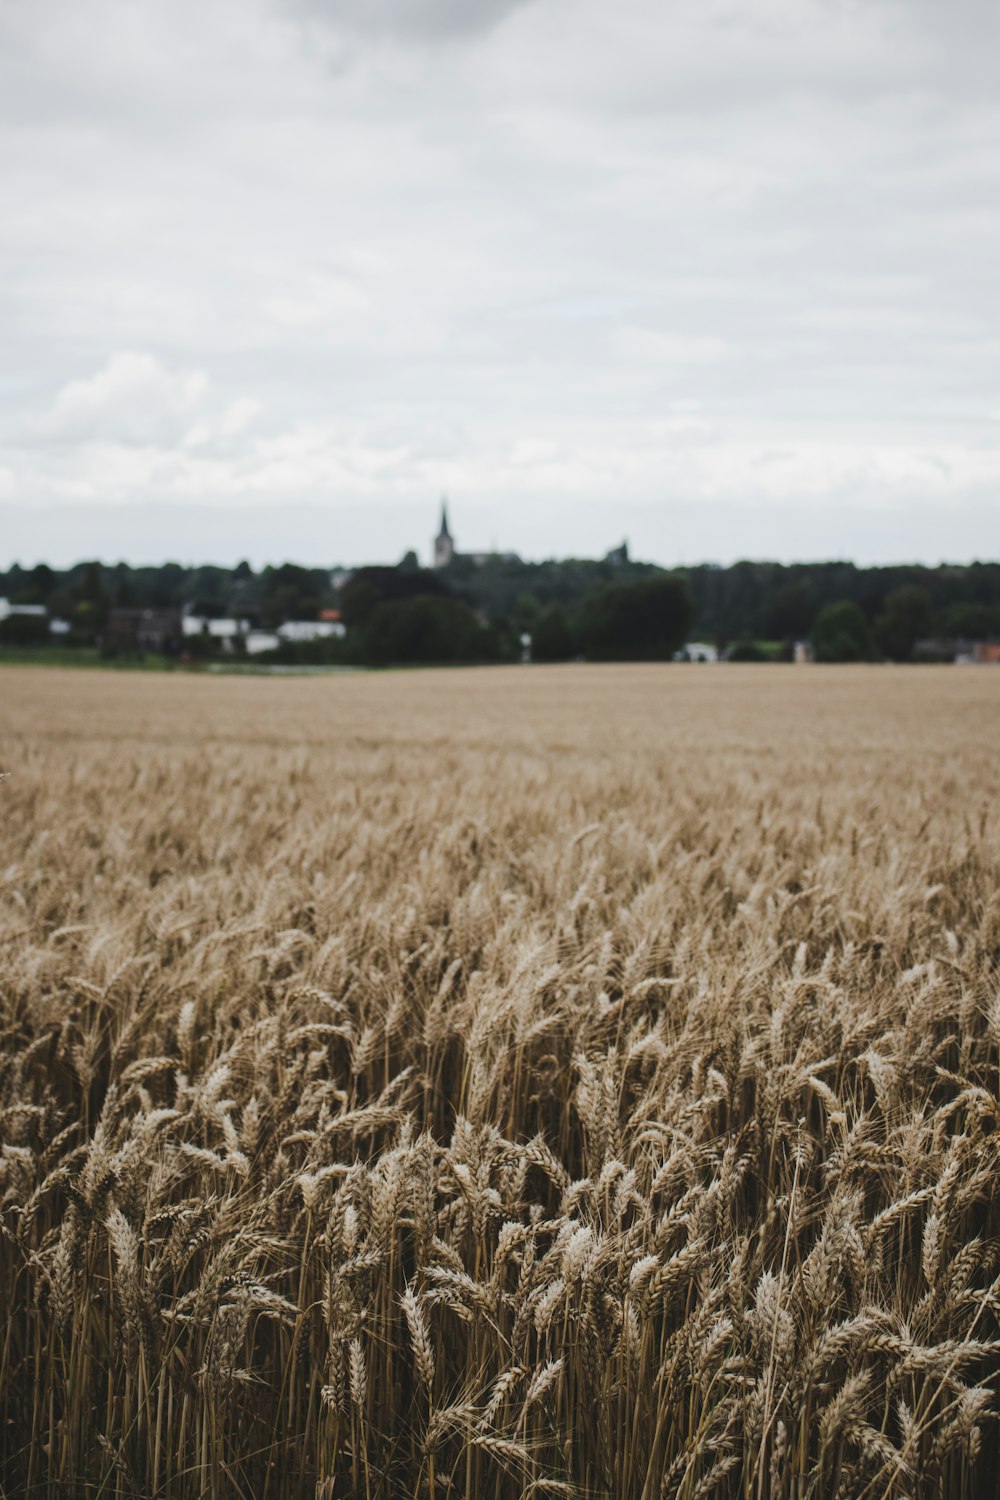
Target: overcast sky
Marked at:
720, 276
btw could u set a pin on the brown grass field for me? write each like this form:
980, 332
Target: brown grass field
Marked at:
542, 1081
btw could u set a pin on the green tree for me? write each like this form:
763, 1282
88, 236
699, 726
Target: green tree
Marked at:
840, 633
906, 617
125, 595
370, 587
646, 621
552, 638
168, 585
973, 621
24, 630
526, 611
290, 592
90, 606
43, 581
425, 629
746, 651
787, 612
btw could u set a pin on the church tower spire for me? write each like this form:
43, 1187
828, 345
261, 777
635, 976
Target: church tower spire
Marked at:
444, 544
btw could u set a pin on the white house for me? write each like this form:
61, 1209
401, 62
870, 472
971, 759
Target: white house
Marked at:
7, 609
261, 640
217, 630
310, 630
697, 651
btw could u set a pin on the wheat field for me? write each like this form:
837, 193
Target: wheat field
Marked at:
543, 1081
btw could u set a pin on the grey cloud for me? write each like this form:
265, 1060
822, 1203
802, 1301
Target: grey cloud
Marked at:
132, 400
497, 247
422, 20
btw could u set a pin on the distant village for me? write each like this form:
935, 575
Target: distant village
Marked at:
495, 606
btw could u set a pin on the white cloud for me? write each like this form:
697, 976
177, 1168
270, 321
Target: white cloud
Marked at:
132, 399
134, 413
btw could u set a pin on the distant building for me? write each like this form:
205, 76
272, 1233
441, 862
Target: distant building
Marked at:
445, 551
311, 630
23, 624
36, 611
216, 630
956, 649
942, 649
986, 651
258, 641
144, 630
444, 543
619, 555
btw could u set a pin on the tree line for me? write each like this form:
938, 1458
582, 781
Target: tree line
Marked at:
485, 609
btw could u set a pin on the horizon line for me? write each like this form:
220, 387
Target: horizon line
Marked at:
678, 567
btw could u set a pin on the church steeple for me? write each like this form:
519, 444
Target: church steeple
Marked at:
444, 545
